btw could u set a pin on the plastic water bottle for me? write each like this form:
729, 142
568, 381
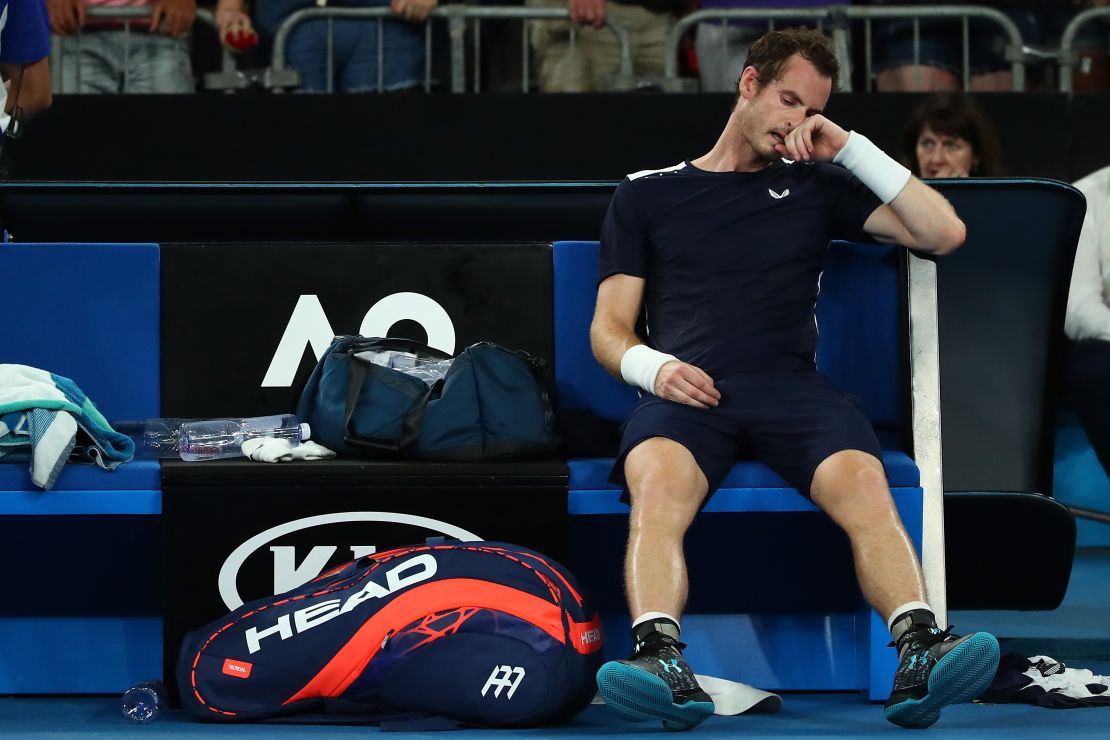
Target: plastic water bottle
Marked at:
215, 439
154, 438
144, 701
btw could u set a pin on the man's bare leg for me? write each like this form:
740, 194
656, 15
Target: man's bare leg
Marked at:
850, 487
935, 669
667, 488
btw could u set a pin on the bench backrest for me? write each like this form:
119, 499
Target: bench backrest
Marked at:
1002, 299
89, 312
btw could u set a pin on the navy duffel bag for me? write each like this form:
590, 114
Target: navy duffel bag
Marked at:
492, 403
434, 635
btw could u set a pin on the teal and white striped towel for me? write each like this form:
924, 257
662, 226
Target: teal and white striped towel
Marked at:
40, 414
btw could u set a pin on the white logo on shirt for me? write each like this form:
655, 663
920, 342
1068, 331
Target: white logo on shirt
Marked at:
779, 196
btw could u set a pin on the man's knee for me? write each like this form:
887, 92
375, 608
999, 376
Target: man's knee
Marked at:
852, 488
665, 484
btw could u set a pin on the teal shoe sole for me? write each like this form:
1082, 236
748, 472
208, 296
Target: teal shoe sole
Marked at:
958, 677
636, 694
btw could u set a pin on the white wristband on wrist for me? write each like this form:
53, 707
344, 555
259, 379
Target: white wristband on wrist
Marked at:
640, 365
873, 167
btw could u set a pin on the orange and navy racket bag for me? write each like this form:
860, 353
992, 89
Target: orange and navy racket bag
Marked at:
458, 633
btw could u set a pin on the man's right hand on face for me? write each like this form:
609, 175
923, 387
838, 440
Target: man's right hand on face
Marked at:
683, 383
587, 12
66, 16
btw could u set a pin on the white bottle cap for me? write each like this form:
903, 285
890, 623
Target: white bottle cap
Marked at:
306, 432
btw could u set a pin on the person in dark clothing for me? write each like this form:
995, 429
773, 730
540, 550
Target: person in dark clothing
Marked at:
723, 255
354, 45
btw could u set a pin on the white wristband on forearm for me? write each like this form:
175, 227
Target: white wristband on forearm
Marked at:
873, 167
640, 366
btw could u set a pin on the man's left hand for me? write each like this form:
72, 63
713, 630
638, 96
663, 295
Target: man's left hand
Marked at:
816, 139
176, 16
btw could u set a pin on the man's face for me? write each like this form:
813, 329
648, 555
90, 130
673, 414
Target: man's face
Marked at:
773, 110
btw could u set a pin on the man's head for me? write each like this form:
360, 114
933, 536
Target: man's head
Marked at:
787, 77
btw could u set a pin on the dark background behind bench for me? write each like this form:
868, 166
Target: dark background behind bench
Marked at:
478, 137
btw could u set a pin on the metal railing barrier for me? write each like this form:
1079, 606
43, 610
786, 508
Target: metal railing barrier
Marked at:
126, 16
457, 18
1069, 57
837, 18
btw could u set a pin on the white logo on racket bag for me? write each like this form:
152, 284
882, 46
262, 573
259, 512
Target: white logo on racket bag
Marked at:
503, 678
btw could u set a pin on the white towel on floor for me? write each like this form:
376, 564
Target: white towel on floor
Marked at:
732, 697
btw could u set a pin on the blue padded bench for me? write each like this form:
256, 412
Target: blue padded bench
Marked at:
862, 302
89, 312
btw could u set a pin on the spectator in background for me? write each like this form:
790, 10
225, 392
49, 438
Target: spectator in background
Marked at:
949, 135
590, 62
355, 45
1040, 23
24, 60
1088, 317
99, 55
722, 46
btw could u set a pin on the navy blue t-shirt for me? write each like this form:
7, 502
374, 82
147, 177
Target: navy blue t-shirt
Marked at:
732, 260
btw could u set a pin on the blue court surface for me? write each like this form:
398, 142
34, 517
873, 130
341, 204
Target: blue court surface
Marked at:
1078, 632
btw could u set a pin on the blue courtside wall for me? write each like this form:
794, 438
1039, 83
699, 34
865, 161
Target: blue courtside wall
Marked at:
78, 655
1079, 480
91, 313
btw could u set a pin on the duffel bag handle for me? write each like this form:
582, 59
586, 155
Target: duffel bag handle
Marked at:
397, 344
536, 364
414, 418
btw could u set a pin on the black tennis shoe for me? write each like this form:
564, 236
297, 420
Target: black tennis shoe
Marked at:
937, 668
655, 683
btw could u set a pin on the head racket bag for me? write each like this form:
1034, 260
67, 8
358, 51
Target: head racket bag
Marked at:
467, 633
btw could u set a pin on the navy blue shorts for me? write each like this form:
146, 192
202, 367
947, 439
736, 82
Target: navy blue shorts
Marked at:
790, 421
